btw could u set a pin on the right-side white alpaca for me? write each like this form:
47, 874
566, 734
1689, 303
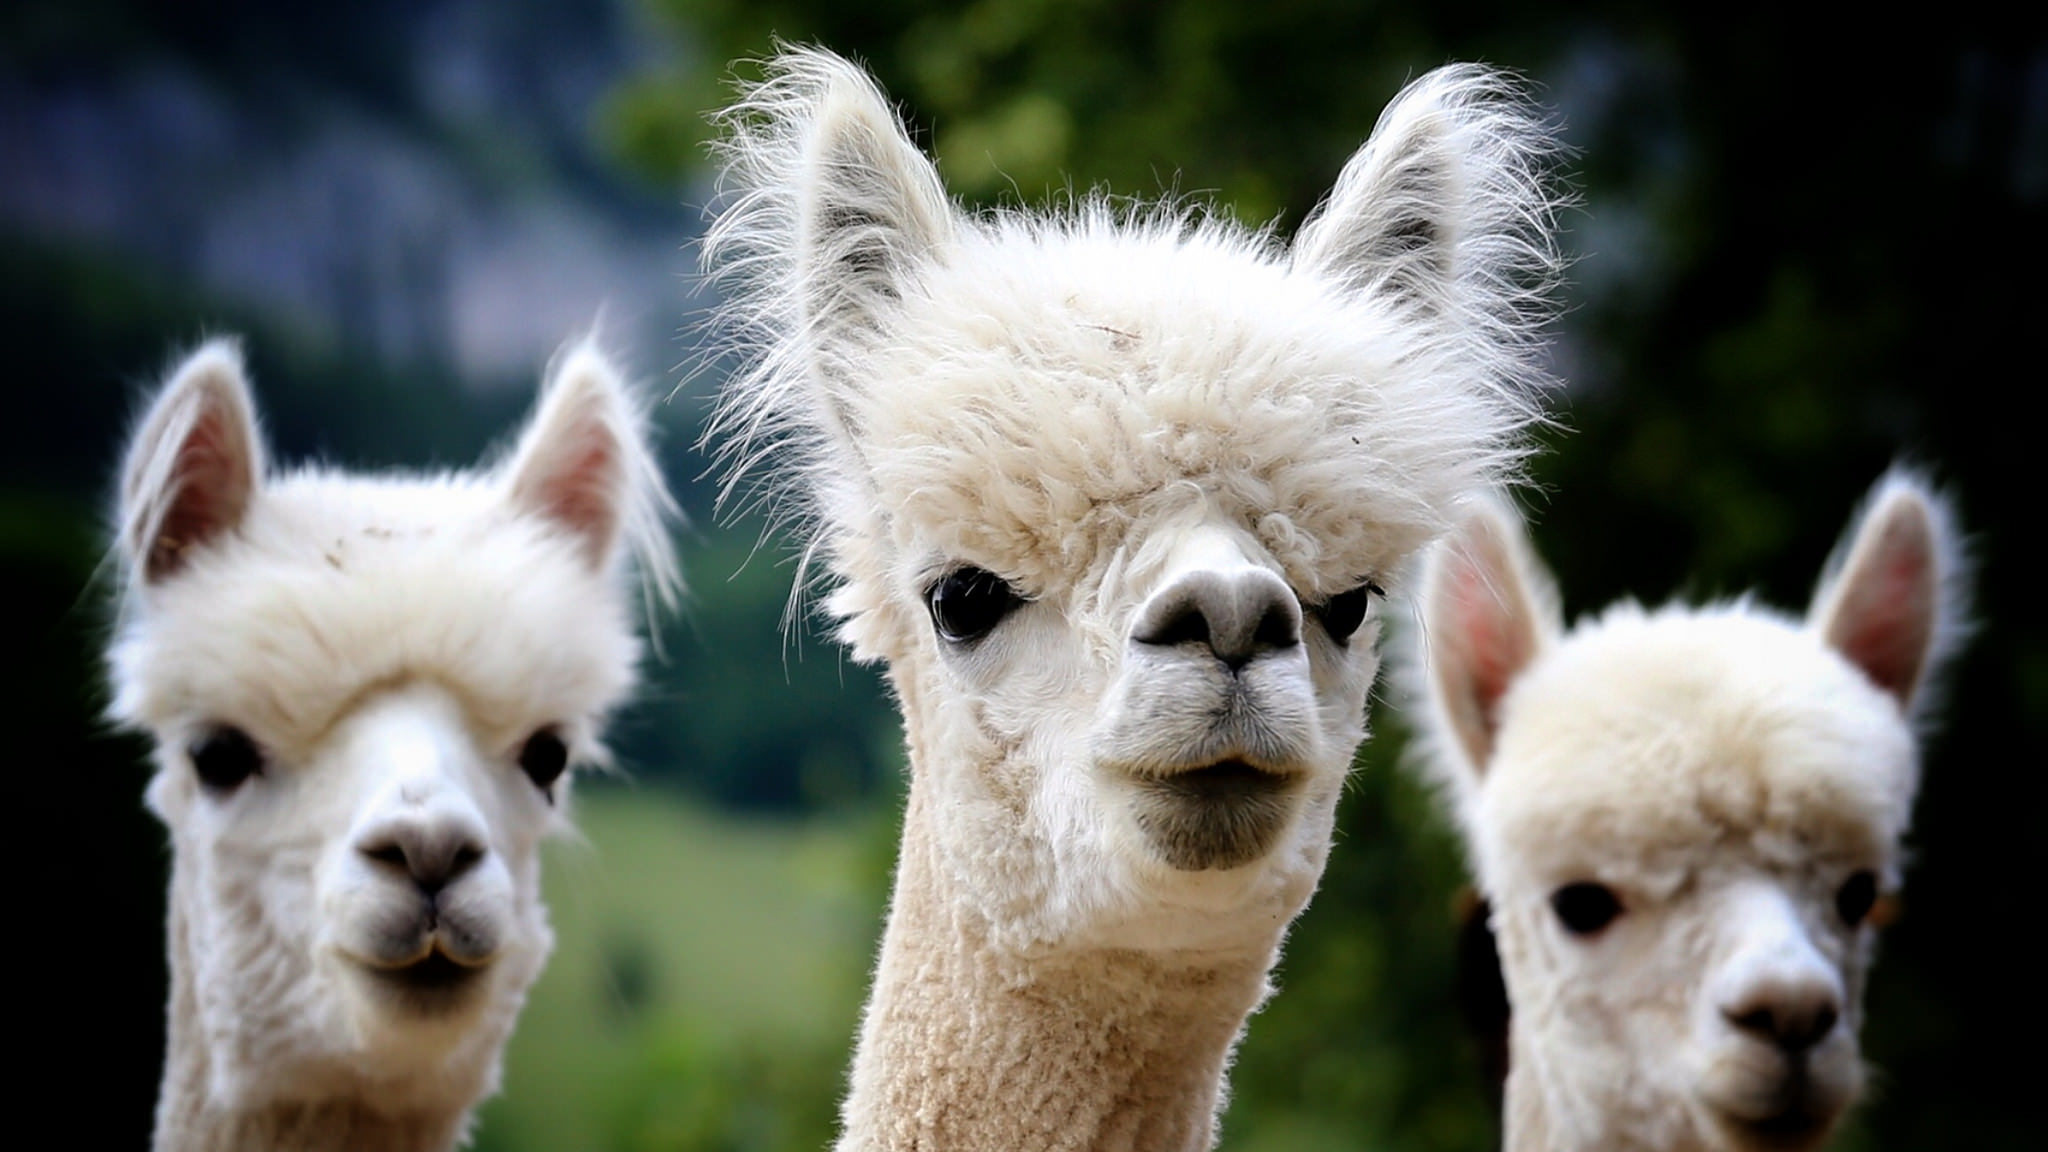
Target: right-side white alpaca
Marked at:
1111, 493
364, 693
1682, 819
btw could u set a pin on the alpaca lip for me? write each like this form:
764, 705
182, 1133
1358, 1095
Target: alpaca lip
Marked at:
1223, 781
1218, 816
1799, 1125
1798, 1115
431, 972
437, 971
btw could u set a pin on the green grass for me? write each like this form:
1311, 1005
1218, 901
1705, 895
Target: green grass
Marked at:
705, 984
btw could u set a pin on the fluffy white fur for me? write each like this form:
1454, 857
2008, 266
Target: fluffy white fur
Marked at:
354, 926
1737, 781
1181, 448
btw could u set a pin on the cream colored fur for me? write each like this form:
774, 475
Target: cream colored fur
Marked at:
354, 926
1181, 449
1739, 782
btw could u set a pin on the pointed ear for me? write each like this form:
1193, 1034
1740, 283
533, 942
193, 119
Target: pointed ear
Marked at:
871, 205
1444, 208
1488, 609
828, 181
583, 463
830, 212
192, 466
1890, 597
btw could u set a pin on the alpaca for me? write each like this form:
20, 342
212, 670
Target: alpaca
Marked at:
364, 694
1682, 820
1112, 493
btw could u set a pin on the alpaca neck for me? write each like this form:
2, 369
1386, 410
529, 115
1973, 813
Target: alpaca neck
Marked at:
967, 1048
1548, 1108
186, 1122
191, 1118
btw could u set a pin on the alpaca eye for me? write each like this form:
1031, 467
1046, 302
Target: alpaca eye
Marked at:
1857, 896
225, 757
1344, 612
968, 603
543, 759
1585, 907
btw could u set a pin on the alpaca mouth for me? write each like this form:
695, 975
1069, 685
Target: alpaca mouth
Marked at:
1800, 1116
1223, 782
1217, 816
430, 985
1796, 1127
439, 970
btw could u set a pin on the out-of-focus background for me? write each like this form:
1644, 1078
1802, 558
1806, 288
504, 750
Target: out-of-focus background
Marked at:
1807, 246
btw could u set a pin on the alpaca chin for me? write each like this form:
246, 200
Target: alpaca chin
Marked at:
415, 1015
1220, 816
1760, 1098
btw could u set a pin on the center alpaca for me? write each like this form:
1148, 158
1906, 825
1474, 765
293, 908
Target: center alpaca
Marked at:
1114, 493
365, 694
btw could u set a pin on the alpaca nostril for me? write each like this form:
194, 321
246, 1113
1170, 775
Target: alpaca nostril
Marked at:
431, 862
1186, 626
1789, 1026
1238, 618
1757, 1020
1279, 627
1823, 1023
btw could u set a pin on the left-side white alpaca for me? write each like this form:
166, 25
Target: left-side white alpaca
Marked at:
364, 693
1682, 820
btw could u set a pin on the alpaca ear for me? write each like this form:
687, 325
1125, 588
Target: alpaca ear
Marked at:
1889, 597
870, 205
832, 210
1488, 608
583, 453
1443, 208
830, 187
192, 466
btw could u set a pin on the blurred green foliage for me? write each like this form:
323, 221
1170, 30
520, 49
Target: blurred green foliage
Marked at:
708, 971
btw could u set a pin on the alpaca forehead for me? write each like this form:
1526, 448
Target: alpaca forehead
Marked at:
1033, 417
333, 589
1678, 737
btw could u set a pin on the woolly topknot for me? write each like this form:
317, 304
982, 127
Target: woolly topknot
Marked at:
1390, 359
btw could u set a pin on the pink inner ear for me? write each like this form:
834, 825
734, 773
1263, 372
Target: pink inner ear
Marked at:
210, 491
580, 492
1885, 618
1494, 653
1487, 647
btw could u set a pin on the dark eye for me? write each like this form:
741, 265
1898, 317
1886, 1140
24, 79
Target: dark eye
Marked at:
1585, 907
1343, 613
543, 759
968, 603
1857, 896
225, 757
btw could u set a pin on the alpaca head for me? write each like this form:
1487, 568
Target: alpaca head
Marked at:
1114, 491
1683, 819
365, 693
